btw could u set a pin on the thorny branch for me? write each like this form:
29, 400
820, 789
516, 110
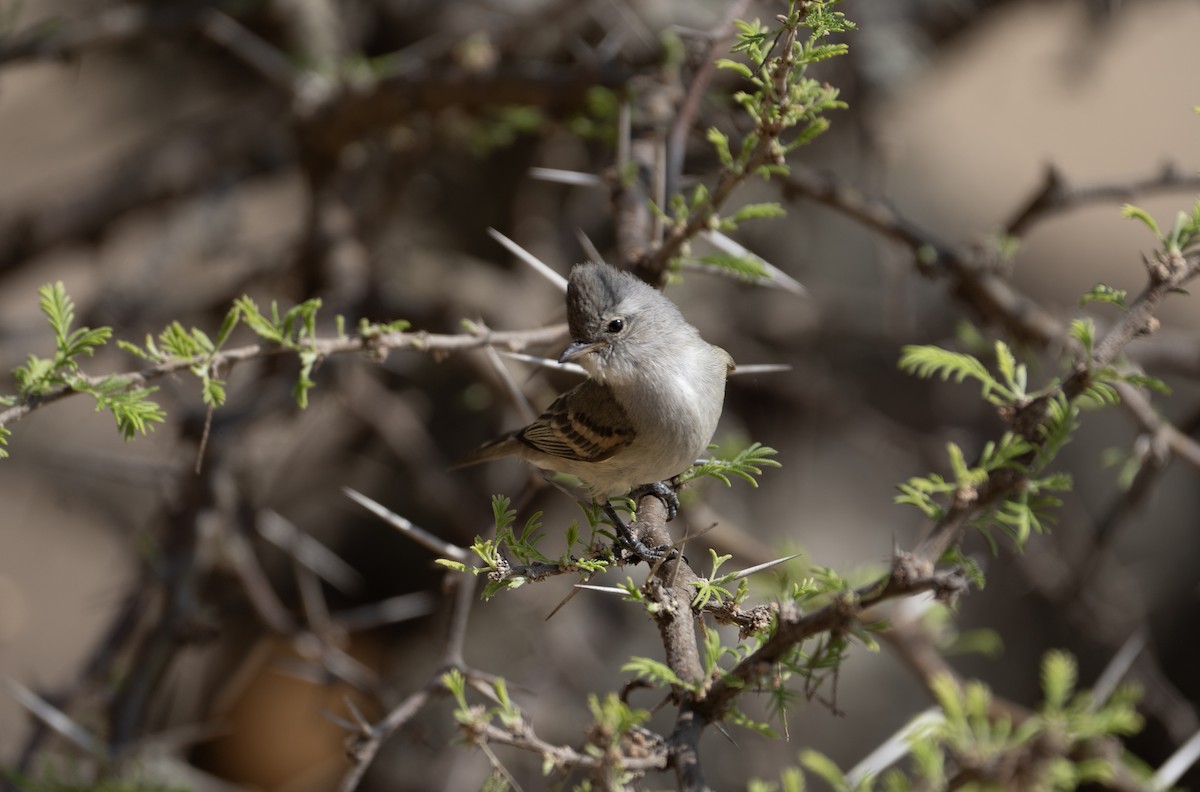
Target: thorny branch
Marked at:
376, 345
974, 280
978, 285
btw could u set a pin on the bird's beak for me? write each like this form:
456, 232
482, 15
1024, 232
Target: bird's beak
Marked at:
578, 349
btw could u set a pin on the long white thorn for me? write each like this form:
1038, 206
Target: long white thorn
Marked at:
538, 265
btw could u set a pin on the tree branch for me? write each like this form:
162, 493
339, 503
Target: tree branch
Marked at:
377, 346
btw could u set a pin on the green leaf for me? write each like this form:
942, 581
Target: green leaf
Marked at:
304, 380
232, 317
213, 392
915, 492
33, 377
735, 66
1136, 213
178, 342
1012, 374
654, 672
1149, 383
84, 341
1105, 294
135, 412
1059, 675
825, 52
823, 767
135, 350
300, 321
739, 718
745, 267
203, 341
456, 683
964, 476
812, 130
502, 515
982, 642
746, 464
720, 142
58, 309
256, 321
930, 361
757, 211
1083, 331
1098, 393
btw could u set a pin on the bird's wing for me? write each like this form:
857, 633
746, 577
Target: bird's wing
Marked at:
585, 424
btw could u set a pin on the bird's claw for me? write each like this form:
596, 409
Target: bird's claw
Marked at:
662, 491
630, 543
638, 550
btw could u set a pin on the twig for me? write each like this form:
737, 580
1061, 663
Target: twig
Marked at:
992, 297
1159, 429
227, 359
910, 575
1055, 196
363, 748
681, 126
562, 757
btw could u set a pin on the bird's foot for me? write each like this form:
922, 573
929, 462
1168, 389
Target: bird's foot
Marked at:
662, 491
651, 555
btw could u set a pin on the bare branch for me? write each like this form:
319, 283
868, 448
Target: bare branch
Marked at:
1055, 196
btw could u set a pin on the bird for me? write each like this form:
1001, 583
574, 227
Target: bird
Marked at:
649, 407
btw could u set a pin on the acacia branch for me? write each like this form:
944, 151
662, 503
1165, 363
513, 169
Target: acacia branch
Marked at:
1055, 196
377, 345
910, 575
974, 278
565, 758
1160, 430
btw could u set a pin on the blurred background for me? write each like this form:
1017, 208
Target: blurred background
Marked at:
162, 159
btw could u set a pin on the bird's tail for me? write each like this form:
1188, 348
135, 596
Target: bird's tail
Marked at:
505, 445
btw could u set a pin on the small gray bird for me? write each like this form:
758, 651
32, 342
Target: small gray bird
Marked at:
648, 409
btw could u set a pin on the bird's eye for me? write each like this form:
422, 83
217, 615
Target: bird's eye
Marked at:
616, 326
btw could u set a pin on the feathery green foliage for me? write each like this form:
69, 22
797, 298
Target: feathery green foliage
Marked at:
1029, 508
745, 464
128, 401
657, 673
1105, 294
1184, 236
522, 545
785, 108
713, 588
1048, 750
470, 715
744, 267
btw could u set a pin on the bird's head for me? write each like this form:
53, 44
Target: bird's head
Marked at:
618, 323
